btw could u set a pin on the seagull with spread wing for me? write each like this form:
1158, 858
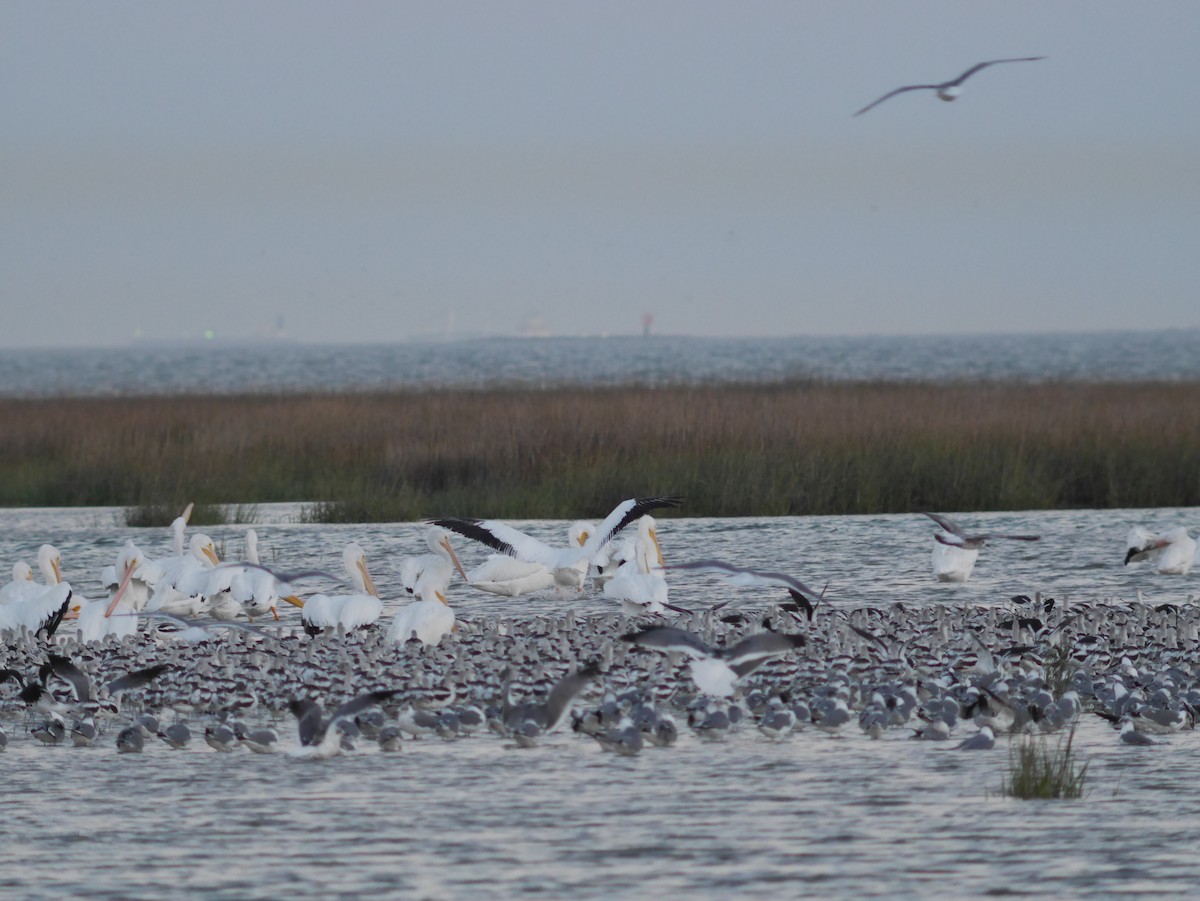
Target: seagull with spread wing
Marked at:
955, 552
947, 90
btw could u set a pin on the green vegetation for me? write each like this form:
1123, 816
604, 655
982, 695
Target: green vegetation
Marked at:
800, 448
202, 514
1038, 770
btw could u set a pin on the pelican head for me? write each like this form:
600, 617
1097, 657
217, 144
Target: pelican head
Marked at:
438, 540
354, 558
22, 572
202, 548
648, 530
580, 532
128, 562
50, 563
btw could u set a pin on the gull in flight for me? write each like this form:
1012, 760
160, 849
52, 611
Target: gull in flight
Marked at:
716, 670
947, 90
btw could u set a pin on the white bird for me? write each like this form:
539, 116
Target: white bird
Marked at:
639, 583
570, 564
510, 577
947, 90
22, 581
428, 619
955, 552
435, 569
1173, 552
35, 606
179, 583
717, 670
346, 612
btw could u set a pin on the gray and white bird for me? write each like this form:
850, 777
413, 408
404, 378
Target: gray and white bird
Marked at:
317, 737
947, 90
717, 670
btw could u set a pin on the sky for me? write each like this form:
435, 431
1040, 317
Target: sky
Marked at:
365, 172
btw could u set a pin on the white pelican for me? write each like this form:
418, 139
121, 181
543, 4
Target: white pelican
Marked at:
569, 564
435, 569
116, 615
349, 611
44, 608
22, 579
180, 583
717, 670
955, 552
638, 582
1173, 552
428, 619
947, 90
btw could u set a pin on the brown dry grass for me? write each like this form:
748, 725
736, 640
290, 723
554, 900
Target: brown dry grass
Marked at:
740, 450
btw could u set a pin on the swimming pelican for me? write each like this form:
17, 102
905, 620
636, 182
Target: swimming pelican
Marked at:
1173, 552
35, 606
348, 611
317, 738
947, 90
955, 553
428, 619
570, 564
717, 670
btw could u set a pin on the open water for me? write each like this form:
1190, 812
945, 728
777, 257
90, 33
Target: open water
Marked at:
280, 367
813, 816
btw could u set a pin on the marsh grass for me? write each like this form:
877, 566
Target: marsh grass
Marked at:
202, 514
1058, 668
1039, 769
802, 448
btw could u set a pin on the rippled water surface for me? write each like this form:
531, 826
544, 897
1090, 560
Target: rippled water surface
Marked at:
232, 368
813, 816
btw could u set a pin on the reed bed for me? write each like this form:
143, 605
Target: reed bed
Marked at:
1038, 770
804, 448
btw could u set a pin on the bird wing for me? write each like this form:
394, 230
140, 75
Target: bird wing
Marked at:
760, 648
991, 62
362, 702
280, 576
622, 515
795, 587
890, 94
69, 672
989, 537
564, 692
501, 537
669, 638
308, 719
948, 524
137, 678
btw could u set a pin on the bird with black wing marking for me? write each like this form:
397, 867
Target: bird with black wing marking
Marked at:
956, 551
317, 739
803, 598
716, 671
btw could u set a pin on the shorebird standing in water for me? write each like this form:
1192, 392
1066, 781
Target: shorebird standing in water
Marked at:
947, 90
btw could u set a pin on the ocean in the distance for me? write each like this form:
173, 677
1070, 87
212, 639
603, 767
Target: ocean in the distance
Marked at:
226, 368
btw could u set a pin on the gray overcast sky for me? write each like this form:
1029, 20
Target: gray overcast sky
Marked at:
376, 171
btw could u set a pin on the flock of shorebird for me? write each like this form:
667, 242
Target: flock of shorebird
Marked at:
176, 633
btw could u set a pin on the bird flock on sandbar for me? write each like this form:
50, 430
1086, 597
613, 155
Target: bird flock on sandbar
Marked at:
186, 651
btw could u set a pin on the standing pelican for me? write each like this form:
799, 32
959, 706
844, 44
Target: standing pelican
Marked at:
639, 583
1173, 552
947, 90
435, 569
955, 553
323, 612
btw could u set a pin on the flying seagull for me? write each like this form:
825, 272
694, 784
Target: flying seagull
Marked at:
716, 670
948, 90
